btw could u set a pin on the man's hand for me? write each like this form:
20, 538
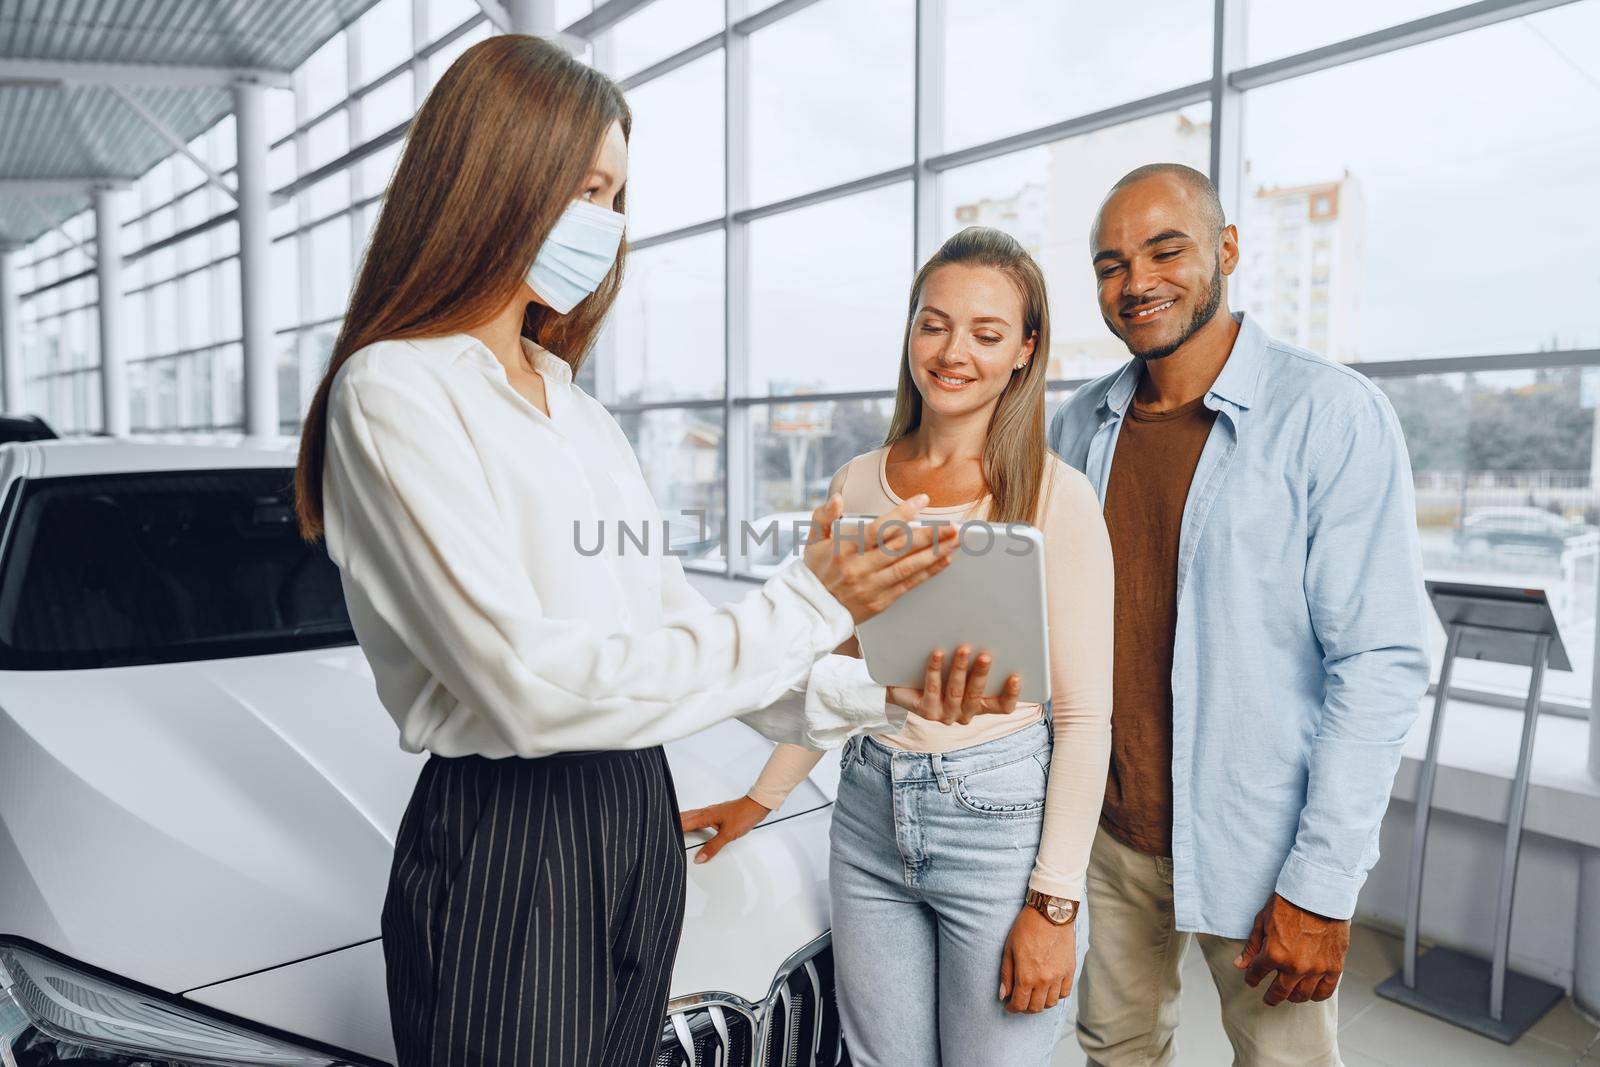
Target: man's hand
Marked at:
1037, 964
1306, 949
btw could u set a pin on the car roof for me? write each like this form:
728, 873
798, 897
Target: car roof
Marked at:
74, 456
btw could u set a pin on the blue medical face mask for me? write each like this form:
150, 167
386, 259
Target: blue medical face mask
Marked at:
577, 255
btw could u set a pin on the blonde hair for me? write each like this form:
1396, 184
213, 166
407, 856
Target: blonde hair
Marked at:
1015, 450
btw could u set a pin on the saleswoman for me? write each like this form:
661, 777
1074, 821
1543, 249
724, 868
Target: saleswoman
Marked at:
536, 897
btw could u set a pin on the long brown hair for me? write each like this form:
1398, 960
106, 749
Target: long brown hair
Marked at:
1014, 450
493, 157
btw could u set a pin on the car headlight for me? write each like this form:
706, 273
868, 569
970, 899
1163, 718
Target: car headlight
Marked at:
54, 1013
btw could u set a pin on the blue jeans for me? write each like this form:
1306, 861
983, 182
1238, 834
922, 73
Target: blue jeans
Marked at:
930, 861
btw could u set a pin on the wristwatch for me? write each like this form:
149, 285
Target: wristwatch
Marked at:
1059, 910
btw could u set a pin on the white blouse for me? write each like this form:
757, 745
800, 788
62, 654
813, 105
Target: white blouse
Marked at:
465, 522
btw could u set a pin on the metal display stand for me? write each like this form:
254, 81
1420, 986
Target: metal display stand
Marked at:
1500, 625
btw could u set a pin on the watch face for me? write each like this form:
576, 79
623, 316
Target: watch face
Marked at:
1058, 910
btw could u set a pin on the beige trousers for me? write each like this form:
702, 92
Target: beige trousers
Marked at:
1128, 997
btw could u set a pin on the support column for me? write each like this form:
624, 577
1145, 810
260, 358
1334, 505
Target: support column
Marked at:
10, 334
1589, 374
108, 273
1227, 106
1594, 675
255, 261
419, 65
536, 17
928, 128
1586, 953
738, 439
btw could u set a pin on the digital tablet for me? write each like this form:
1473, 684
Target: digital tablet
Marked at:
990, 597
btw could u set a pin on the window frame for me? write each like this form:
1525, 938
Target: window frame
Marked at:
56, 260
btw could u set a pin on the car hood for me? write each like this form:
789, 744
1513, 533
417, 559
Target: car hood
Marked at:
189, 823
745, 914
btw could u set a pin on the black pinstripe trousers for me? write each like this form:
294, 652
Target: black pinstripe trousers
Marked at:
533, 911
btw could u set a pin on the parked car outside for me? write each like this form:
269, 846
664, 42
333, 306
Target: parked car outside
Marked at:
199, 792
1528, 529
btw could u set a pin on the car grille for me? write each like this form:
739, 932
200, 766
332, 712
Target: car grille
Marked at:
796, 1026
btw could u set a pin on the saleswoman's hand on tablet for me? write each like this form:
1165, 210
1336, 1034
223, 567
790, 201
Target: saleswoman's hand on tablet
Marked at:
959, 698
868, 579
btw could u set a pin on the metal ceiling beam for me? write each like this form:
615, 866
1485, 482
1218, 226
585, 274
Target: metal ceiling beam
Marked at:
511, 20
1389, 39
604, 16
170, 135
499, 17
62, 186
764, 18
1171, 100
713, 43
51, 72
59, 227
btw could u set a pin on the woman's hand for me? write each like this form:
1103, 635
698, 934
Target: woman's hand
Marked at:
867, 580
958, 699
1036, 968
731, 819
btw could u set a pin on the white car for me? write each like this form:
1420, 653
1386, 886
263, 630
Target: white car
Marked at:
199, 792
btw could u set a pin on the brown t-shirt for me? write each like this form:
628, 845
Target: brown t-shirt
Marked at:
1154, 463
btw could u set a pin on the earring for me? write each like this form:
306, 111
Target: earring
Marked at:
1016, 366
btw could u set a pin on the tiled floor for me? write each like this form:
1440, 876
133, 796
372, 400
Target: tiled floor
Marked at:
1375, 1032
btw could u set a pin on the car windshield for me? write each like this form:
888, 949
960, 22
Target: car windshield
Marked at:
23, 429
118, 570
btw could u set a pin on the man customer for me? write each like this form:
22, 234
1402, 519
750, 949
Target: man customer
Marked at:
1269, 645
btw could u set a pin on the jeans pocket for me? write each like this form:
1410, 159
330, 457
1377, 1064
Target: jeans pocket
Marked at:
1013, 790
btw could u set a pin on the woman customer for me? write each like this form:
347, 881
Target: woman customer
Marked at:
959, 850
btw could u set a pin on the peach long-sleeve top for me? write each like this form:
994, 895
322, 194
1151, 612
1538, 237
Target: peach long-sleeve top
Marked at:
1078, 598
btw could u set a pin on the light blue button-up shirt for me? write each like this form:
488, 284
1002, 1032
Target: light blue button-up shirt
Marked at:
1300, 652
